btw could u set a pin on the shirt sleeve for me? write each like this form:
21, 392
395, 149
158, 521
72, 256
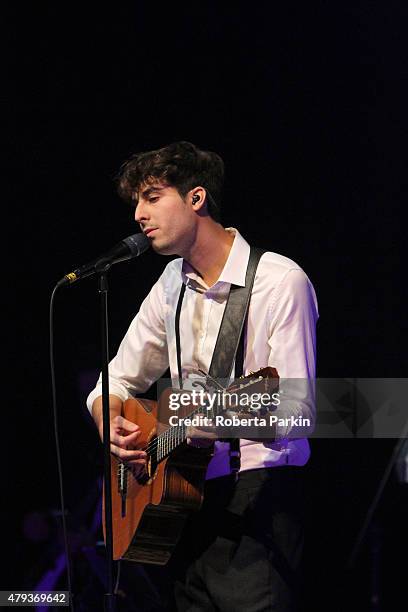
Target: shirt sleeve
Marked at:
143, 354
292, 341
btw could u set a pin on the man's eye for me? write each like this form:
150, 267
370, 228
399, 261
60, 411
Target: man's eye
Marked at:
153, 198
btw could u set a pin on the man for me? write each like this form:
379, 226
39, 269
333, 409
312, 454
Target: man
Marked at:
243, 549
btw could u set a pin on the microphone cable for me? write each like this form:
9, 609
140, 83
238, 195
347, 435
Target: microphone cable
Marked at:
58, 450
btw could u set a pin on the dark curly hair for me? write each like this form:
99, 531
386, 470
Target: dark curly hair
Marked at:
181, 165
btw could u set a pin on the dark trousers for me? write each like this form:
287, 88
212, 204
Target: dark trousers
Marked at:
242, 550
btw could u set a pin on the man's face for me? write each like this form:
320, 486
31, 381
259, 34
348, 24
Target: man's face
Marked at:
166, 218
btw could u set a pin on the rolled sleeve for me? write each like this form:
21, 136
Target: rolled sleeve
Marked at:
292, 341
143, 354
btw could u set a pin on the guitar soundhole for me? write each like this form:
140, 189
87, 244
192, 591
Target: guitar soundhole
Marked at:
143, 478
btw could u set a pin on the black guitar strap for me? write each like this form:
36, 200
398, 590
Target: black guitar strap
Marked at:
229, 347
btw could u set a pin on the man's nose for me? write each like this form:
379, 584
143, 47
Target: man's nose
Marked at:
140, 212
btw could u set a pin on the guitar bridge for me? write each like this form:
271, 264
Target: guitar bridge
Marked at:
123, 486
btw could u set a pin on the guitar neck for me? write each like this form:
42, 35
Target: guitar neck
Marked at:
174, 437
264, 379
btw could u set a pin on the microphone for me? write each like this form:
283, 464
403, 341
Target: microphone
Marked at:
128, 248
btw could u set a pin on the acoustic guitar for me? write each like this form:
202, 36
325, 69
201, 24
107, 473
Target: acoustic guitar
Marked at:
149, 510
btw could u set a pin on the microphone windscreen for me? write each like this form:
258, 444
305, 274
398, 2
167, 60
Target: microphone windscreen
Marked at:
137, 243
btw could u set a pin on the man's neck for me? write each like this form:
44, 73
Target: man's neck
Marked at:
210, 251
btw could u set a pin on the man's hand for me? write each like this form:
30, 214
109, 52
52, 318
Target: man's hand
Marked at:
201, 437
123, 434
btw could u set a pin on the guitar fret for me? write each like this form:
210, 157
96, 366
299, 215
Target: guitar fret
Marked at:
172, 439
169, 440
174, 436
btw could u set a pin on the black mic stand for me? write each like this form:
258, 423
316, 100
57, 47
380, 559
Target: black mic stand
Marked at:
373, 506
110, 603
375, 601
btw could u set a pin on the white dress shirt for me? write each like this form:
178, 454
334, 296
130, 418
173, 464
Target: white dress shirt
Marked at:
281, 333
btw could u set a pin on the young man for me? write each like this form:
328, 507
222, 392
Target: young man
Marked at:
242, 551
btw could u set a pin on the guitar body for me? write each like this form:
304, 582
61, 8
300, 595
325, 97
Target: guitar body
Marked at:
148, 520
149, 511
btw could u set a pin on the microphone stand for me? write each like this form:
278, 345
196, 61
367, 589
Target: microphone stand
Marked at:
110, 598
373, 506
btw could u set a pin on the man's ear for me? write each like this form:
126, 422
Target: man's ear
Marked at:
198, 196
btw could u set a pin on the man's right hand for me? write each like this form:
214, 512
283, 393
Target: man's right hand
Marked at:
124, 434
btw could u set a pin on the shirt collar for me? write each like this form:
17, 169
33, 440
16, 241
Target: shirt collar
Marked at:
234, 271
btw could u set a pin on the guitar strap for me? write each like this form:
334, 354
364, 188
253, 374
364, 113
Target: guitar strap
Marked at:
229, 347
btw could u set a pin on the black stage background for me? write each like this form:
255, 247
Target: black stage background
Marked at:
306, 102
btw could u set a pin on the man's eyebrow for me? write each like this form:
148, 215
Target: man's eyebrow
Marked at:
151, 189
146, 192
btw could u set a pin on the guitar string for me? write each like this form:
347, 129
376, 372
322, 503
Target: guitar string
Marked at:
174, 432
171, 436
178, 433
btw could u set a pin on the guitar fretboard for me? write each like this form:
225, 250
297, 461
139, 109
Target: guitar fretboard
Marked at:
173, 437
